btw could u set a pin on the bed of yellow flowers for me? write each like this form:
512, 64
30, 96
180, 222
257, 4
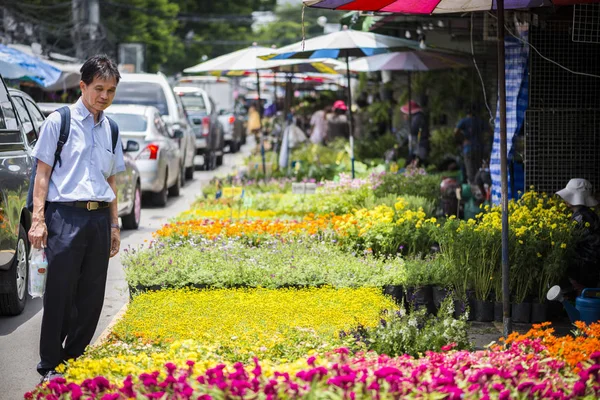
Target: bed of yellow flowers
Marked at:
211, 326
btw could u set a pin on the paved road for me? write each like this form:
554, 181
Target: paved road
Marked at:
19, 336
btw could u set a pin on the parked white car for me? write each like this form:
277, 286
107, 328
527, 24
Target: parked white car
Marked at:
158, 158
154, 90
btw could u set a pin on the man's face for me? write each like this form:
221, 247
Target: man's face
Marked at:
99, 94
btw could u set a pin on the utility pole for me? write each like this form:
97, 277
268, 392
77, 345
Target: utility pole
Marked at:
86, 23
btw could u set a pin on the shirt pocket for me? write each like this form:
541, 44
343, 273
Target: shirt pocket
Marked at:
106, 160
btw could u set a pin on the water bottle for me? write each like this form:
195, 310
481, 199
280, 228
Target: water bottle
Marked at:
38, 270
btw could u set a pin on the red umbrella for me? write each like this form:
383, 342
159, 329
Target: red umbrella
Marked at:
435, 6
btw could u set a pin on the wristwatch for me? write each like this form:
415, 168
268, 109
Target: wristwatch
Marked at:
115, 226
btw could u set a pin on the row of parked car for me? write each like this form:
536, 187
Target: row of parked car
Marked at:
167, 134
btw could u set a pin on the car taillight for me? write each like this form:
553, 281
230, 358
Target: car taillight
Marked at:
231, 120
149, 153
205, 126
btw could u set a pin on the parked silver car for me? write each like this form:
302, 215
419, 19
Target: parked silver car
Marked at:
154, 90
209, 132
158, 159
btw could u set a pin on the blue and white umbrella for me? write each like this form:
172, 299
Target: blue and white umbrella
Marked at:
343, 44
15, 64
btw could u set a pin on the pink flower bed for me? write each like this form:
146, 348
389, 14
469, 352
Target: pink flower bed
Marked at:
490, 374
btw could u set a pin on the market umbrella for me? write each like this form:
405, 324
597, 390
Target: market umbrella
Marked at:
15, 62
409, 61
344, 44
432, 6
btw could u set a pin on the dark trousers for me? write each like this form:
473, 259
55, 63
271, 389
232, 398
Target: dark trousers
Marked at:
78, 252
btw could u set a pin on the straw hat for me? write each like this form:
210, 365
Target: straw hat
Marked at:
414, 108
579, 192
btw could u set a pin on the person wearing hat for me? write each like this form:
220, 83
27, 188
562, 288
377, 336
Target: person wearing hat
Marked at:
418, 138
337, 123
584, 268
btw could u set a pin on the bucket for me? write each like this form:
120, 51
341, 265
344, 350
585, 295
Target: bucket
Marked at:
420, 297
539, 312
588, 305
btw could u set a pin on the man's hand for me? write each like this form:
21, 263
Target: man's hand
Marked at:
115, 242
38, 233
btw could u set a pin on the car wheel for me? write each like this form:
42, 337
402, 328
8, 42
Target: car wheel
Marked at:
182, 176
132, 220
189, 173
160, 199
175, 190
14, 281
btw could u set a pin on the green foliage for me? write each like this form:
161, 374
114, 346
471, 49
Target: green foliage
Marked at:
155, 29
443, 145
374, 148
226, 264
413, 183
417, 332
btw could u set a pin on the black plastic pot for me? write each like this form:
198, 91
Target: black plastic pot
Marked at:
521, 312
498, 311
439, 295
421, 297
396, 292
483, 311
539, 312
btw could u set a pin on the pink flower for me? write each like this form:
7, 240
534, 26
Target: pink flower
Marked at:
449, 347
311, 361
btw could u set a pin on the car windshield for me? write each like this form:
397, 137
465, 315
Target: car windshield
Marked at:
193, 102
142, 93
130, 122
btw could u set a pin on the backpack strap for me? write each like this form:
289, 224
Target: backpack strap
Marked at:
114, 130
65, 129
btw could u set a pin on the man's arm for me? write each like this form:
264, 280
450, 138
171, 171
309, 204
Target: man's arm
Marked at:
38, 233
115, 233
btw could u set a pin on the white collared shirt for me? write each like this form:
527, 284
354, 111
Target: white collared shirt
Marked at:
87, 157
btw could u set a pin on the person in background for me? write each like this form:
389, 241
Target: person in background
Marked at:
337, 123
318, 124
471, 130
418, 138
254, 123
584, 267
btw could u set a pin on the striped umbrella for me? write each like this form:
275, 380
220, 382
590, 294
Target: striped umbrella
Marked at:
343, 44
434, 6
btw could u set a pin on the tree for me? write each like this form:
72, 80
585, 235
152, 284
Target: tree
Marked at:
151, 22
287, 28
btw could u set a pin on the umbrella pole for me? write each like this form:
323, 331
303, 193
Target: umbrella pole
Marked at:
410, 144
260, 114
507, 321
350, 115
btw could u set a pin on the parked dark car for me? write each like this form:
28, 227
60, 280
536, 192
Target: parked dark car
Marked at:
210, 134
18, 135
20, 122
129, 189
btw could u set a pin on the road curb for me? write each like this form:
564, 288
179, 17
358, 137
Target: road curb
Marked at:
106, 332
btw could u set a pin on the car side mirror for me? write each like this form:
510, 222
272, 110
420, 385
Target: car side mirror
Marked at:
178, 134
132, 146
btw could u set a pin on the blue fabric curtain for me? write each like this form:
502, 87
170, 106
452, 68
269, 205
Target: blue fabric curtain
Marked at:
517, 101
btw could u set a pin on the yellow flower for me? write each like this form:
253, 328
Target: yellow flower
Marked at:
563, 246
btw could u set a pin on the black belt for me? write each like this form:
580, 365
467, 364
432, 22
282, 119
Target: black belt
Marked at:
88, 205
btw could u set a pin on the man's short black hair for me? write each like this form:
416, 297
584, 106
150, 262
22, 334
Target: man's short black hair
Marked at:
100, 66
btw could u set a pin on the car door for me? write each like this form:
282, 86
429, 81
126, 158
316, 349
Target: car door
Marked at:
170, 145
